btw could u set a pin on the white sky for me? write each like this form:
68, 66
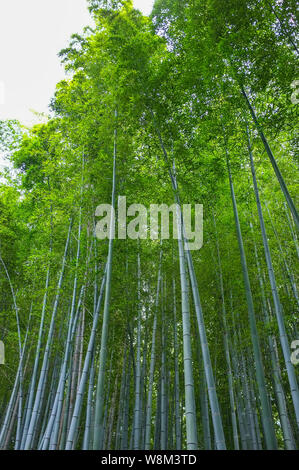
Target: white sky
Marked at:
32, 32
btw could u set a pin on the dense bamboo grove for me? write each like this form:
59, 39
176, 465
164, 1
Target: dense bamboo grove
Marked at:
138, 343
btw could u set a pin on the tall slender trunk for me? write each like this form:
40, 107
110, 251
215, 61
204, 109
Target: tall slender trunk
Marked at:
216, 415
98, 427
272, 160
281, 402
226, 348
148, 420
178, 428
36, 362
163, 432
259, 369
276, 301
89, 353
42, 377
137, 409
290, 277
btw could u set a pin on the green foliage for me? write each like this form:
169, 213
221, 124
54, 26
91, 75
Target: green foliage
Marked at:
175, 77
